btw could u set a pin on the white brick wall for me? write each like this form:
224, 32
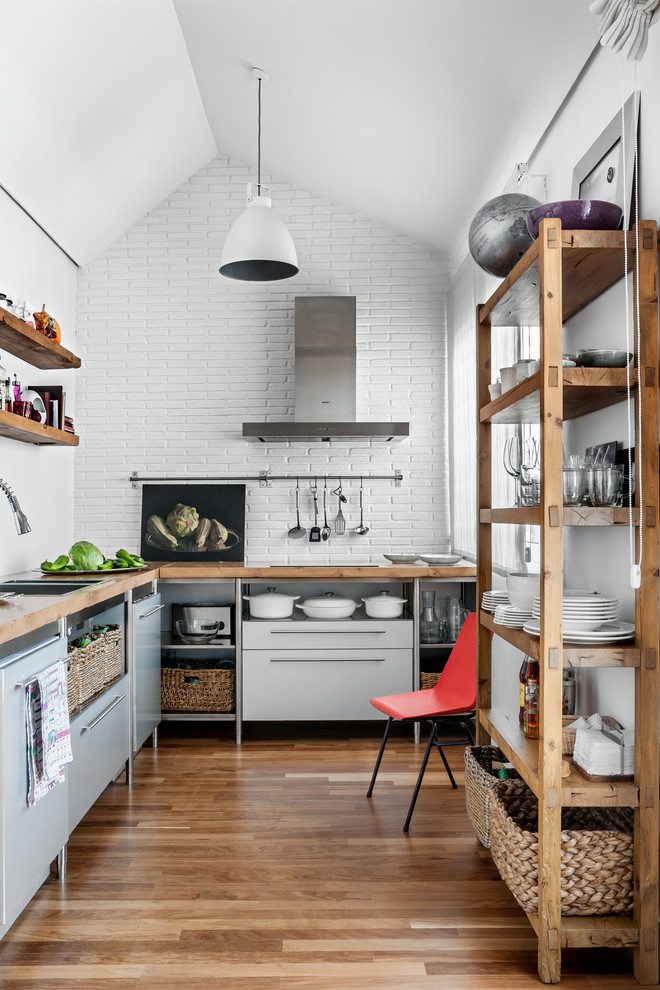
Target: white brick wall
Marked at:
175, 358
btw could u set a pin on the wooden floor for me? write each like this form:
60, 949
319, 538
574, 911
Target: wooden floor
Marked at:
265, 867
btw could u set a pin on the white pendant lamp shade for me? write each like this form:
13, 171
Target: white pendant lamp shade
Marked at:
259, 248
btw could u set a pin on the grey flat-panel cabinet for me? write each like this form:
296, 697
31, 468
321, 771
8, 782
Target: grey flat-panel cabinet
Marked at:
146, 668
32, 835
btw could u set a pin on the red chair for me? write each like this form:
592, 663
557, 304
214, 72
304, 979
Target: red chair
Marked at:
453, 700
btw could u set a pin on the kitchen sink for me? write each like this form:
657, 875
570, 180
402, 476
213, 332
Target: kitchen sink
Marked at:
38, 587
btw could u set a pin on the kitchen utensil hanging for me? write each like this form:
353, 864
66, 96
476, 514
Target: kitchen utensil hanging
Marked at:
340, 522
325, 532
315, 532
297, 532
361, 530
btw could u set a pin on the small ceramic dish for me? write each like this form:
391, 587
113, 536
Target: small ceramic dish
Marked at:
604, 358
401, 558
440, 559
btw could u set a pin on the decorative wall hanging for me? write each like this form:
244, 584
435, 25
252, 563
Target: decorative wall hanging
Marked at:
624, 24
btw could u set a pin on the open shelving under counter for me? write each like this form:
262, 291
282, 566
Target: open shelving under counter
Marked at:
523, 753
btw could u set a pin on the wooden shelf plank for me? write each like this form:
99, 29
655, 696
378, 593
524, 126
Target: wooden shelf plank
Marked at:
585, 390
523, 753
574, 515
592, 261
29, 431
610, 931
573, 655
31, 345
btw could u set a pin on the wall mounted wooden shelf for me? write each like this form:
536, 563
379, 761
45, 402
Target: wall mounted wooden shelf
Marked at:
29, 431
30, 345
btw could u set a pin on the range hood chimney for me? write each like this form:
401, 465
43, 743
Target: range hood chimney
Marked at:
325, 374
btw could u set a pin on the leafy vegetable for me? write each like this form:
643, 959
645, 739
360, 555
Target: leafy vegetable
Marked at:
182, 520
86, 557
56, 565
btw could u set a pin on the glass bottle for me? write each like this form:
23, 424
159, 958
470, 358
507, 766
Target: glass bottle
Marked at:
4, 388
454, 618
568, 692
531, 720
429, 625
528, 665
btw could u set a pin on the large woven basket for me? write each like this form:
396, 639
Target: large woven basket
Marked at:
202, 690
596, 852
91, 668
480, 778
428, 679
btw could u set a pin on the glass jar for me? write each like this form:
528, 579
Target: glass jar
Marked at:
429, 624
568, 692
455, 618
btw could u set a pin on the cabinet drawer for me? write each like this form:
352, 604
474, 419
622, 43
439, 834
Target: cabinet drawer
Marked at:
320, 634
321, 684
99, 742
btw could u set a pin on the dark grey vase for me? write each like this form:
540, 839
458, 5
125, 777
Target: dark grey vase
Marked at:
498, 235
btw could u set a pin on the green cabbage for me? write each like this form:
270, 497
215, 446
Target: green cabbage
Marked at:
85, 556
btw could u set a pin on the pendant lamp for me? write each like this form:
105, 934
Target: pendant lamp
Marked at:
259, 248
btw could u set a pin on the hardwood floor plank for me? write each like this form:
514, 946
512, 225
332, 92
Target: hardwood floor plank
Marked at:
264, 867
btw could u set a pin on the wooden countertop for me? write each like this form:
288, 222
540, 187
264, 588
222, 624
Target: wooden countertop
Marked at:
389, 572
27, 613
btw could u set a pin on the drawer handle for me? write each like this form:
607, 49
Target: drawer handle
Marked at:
327, 659
107, 711
151, 612
324, 632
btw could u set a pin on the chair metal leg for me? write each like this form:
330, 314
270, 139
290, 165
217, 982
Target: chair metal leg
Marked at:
468, 731
419, 778
444, 758
380, 756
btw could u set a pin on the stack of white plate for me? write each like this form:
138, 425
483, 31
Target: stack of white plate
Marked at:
587, 617
514, 618
491, 599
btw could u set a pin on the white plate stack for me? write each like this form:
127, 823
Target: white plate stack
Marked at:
587, 617
514, 618
491, 599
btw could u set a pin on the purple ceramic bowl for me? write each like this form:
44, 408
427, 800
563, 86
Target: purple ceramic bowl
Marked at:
577, 214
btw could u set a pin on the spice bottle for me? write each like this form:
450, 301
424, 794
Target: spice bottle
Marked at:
531, 718
4, 388
568, 692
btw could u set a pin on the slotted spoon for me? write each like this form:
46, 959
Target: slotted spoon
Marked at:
325, 532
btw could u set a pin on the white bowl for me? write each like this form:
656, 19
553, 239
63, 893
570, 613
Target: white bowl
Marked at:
440, 559
521, 600
401, 558
524, 583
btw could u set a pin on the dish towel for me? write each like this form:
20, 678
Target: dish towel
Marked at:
48, 730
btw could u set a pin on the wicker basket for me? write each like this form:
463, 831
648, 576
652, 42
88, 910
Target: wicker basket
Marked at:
480, 778
91, 668
568, 735
202, 690
596, 852
428, 679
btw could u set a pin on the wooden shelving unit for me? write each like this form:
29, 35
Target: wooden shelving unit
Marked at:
562, 272
30, 345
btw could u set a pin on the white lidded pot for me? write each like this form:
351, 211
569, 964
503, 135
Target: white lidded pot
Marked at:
271, 605
329, 606
384, 606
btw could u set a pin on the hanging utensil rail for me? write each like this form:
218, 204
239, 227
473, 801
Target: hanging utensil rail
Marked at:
265, 478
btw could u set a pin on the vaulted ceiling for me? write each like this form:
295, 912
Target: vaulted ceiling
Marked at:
412, 112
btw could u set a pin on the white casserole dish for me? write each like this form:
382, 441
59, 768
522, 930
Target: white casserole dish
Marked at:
271, 605
384, 606
329, 606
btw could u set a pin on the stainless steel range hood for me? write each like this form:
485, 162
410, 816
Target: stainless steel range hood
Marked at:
325, 373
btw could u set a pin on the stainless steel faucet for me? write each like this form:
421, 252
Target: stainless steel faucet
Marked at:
22, 525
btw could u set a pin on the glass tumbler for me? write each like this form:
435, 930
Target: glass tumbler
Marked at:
575, 486
606, 486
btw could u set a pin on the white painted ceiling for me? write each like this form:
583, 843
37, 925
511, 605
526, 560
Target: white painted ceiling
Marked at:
413, 112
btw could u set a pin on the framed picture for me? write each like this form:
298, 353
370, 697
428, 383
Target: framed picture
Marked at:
185, 522
600, 172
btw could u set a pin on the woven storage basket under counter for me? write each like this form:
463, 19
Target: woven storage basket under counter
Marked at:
90, 668
197, 690
480, 778
596, 852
